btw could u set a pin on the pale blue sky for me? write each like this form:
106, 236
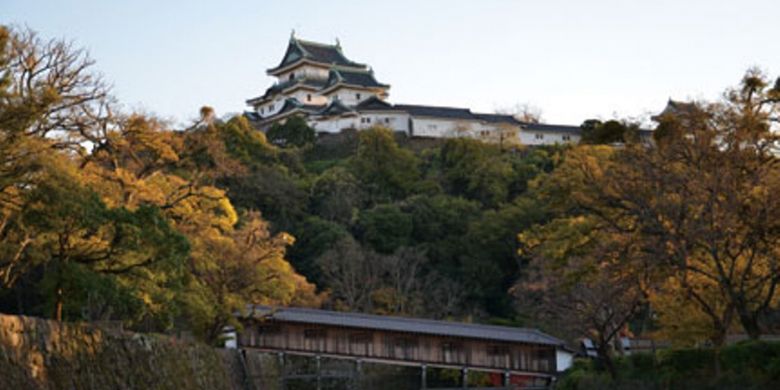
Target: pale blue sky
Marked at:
573, 59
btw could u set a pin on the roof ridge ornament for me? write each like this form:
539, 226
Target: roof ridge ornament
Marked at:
292, 35
338, 44
297, 42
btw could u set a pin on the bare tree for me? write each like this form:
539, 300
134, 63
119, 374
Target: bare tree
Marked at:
49, 99
53, 90
351, 274
524, 112
399, 283
593, 293
402, 272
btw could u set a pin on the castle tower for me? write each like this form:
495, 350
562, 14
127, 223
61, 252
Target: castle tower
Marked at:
310, 77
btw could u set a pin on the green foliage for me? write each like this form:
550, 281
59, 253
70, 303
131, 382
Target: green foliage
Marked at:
491, 261
100, 262
336, 195
313, 237
389, 198
293, 132
245, 143
476, 170
90, 296
595, 131
385, 170
440, 217
271, 189
748, 365
385, 227
330, 148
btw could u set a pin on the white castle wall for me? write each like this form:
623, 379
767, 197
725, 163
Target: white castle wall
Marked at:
528, 137
308, 71
398, 122
438, 127
349, 96
334, 125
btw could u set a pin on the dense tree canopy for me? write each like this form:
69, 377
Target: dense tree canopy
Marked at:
612, 131
294, 132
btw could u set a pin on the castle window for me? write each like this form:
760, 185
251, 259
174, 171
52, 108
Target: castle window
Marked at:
566, 137
539, 136
387, 120
308, 97
357, 96
270, 107
292, 76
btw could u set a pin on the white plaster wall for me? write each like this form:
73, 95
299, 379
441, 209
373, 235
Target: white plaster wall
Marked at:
302, 95
270, 108
563, 359
349, 97
547, 138
398, 122
443, 128
448, 128
316, 73
265, 110
304, 71
334, 125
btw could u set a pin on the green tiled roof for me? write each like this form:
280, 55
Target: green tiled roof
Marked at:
361, 78
325, 54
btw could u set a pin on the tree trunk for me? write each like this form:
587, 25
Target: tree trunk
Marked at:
606, 358
749, 322
718, 340
58, 304
717, 362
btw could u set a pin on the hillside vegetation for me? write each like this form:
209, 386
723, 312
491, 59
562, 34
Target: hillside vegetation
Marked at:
750, 365
113, 215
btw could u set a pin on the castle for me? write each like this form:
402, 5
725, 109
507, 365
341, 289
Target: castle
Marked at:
317, 81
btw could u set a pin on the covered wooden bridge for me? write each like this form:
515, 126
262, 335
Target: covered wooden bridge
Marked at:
523, 358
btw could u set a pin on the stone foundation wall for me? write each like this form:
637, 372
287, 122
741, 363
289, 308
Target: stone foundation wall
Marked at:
42, 354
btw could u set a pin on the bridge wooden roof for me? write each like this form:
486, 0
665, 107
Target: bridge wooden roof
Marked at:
403, 324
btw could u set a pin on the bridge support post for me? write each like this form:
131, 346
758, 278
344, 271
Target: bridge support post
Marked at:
465, 377
282, 371
357, 376
319, 372
423, 377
